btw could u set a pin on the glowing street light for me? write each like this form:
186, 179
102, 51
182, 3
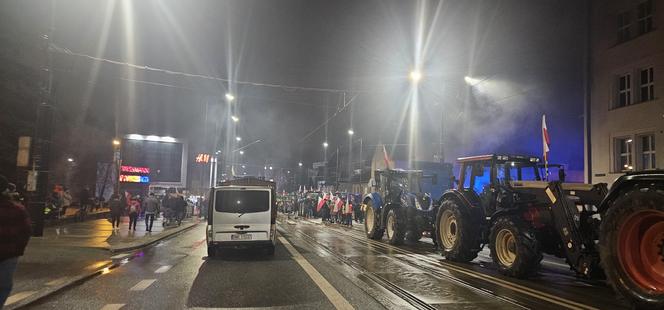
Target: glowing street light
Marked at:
71, 160
116, 142
235, 118
351, 132
415, 76
230, 97
270, 167
241, 152
299, 164
238, 139
325, 145
471, 81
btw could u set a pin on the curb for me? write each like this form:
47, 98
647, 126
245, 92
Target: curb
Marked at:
87, 276
55, 289
141, 244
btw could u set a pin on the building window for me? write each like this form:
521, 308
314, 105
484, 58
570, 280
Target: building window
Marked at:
644, 19
647, 152
647, 85
623, 148
624, 90
623, 27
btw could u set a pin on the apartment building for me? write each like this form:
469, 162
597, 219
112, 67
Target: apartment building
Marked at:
626, 87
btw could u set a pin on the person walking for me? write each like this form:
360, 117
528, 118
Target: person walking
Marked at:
14, 235
180, 208
115, 206
66, 201
151, 207
134, 209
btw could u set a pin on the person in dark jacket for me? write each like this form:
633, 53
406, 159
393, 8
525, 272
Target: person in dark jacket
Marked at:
151, 207
180, 208
116, 206
14, 235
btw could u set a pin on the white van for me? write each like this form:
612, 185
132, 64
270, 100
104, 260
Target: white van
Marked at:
242, 213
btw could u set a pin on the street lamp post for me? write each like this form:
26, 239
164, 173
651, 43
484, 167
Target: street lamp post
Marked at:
117, 163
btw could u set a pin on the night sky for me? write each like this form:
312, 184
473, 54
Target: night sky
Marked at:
527, 55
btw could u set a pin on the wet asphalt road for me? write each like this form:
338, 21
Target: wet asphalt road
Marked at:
177, 274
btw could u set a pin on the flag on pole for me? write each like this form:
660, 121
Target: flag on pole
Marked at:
546, 143
386, 158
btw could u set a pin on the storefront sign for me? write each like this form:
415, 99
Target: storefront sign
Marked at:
134, 178
132, 169
203, 158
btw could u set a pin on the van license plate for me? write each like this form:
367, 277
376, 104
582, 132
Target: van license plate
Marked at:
241, 237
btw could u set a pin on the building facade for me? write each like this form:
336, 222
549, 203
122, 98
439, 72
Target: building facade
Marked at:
626, 87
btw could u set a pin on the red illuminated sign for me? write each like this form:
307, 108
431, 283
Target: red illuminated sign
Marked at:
132, 169
203, 158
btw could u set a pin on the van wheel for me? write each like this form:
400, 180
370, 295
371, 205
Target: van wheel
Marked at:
212, 251
371, 222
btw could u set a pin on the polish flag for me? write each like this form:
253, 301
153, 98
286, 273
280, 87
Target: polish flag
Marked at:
386, 157
546, 143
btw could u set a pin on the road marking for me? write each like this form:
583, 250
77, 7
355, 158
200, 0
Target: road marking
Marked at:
330, 291
119, 256
112, 306
18, 297
162, 269
141, 286
56, 281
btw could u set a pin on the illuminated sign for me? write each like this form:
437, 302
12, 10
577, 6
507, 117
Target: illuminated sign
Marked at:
203, 158
132, 169
134, 178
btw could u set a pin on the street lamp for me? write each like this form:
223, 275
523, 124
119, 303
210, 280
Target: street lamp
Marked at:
415, 76
351, 132
241, 152
71, 160
235, 118
116, 142
238, 139
325, 145
270, 167
299, 164
230, 97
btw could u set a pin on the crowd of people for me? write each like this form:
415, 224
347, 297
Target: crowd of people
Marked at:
337, 208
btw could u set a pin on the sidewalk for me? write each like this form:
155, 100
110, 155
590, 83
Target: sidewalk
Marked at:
72, 252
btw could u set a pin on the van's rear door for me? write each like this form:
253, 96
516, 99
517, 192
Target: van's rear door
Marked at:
242, 214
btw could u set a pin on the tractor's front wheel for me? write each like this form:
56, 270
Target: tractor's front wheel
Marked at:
371, 226
457, 232
395, 226
632, 247
514, 247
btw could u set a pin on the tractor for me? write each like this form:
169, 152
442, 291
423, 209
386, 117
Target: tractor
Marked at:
398, 207
504, 202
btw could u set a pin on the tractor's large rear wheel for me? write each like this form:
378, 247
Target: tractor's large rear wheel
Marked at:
632, 247
514, 247
457, 232
371, 226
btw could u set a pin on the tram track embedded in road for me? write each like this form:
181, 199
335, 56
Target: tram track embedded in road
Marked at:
543, 296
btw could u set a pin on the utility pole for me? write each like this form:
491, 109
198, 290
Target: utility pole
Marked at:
41, 155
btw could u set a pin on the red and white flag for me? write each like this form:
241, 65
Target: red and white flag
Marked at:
546, 143
386, 158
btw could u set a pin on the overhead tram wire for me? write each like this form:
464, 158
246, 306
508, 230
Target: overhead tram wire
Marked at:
66, 51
